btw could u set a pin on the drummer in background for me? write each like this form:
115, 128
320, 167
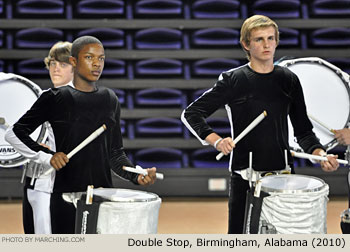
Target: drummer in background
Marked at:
74, 113
343, 136
246, 92
37, 191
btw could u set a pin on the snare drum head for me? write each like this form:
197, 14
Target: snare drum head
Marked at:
327, 97
291, 183
125, 195
17, 95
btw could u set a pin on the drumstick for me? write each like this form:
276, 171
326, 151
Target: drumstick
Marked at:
246, 131
89, 139
142, 171
321, 123
315, 157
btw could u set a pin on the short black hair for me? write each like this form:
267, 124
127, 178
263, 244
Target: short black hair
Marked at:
80, 42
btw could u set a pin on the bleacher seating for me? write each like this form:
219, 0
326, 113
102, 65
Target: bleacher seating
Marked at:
158, 68
114, 68
38, 37
40, 9
159, 127
327, 37
216, 9
205, 158
158, 9
100, 9
32, 68
111, 38
215, 37
277, 9
160, 97
330, 8
160, 157
158, 38
213, 67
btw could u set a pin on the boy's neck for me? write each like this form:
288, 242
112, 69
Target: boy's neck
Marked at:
84, 86
261, 67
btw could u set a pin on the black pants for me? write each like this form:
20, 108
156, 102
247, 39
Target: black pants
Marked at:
27, 211
238, 191
62, 215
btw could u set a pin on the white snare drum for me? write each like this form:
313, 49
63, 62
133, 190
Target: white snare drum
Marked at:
127, 211
327, 97
297, 204
17, 95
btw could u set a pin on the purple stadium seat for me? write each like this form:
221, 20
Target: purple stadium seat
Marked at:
277, 8
196, 94
289, 37
1, 7
213, 67
121, 96
159, 127
32, 67
114, 68
158, 38
330, 37
158, 67
330, 8
40, 8
38, 37
216, 9
100, 8
1, 38
158, 8
123, 127
218, 37
160, 158
220, 125
205, 158
159, 97
110, 38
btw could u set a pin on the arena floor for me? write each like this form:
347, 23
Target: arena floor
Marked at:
179, 216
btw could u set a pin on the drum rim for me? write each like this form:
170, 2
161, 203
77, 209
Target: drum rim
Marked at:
20, 160
154, 198
270, 190
340, 73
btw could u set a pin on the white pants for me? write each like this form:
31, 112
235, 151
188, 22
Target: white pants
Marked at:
40, 202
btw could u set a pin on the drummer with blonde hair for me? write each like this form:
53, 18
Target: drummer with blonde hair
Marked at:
246, 92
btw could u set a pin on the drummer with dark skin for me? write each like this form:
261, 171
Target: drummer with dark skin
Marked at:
88, 68
75, 113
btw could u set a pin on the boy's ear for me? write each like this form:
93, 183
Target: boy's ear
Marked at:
73, 61
245, 46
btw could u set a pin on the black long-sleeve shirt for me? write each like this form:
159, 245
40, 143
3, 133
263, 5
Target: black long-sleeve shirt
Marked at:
246, 94
74, 115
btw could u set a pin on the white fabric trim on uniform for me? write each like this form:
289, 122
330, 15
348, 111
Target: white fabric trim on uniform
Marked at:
40, 202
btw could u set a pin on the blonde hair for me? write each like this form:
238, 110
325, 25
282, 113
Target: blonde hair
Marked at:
256, 22
60, 51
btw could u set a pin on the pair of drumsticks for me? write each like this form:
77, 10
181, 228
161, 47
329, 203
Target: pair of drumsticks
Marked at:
257, 120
